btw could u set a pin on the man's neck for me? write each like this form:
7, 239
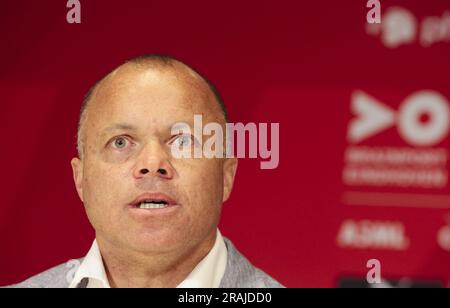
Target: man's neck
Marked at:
131, 269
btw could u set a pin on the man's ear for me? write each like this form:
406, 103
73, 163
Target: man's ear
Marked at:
229, 172
77, 170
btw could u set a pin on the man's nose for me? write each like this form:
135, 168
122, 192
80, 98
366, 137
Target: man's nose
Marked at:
153, 161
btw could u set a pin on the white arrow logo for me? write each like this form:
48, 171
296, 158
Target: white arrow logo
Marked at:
372, 117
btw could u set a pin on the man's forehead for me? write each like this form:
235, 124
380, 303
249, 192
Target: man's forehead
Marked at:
149, 114
131, 75
159, 88
143, 122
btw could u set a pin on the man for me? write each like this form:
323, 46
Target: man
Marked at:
155, 216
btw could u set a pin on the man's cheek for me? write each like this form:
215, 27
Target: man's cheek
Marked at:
98, 183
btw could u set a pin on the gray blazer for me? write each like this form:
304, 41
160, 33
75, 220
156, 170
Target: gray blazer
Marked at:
239, 273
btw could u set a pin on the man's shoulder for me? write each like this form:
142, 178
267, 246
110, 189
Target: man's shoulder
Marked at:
240, 273
56, 277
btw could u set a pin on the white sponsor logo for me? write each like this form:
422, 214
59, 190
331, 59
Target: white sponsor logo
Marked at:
396, 167
373, 117
367, 234
401, 27
435, 29
422, 121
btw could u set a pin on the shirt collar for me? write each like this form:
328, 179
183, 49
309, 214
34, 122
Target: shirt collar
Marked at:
93, 269
207, 274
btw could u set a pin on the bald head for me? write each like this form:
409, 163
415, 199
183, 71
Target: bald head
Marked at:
141, 71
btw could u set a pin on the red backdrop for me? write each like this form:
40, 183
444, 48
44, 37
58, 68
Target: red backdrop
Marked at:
292, 62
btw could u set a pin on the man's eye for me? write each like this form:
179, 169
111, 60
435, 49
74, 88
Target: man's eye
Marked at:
184, 140
120, 142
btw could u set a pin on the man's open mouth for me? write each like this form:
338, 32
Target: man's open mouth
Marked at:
152, 201
153, 204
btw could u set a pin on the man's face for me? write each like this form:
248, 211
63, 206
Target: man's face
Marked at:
128, 129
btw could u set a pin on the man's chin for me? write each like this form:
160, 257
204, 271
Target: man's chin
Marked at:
156, 242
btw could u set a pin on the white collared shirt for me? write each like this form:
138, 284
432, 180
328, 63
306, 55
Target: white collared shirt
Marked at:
207, 274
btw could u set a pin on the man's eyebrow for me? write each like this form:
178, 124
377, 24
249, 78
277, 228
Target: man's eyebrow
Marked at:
181, 125
120, 126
